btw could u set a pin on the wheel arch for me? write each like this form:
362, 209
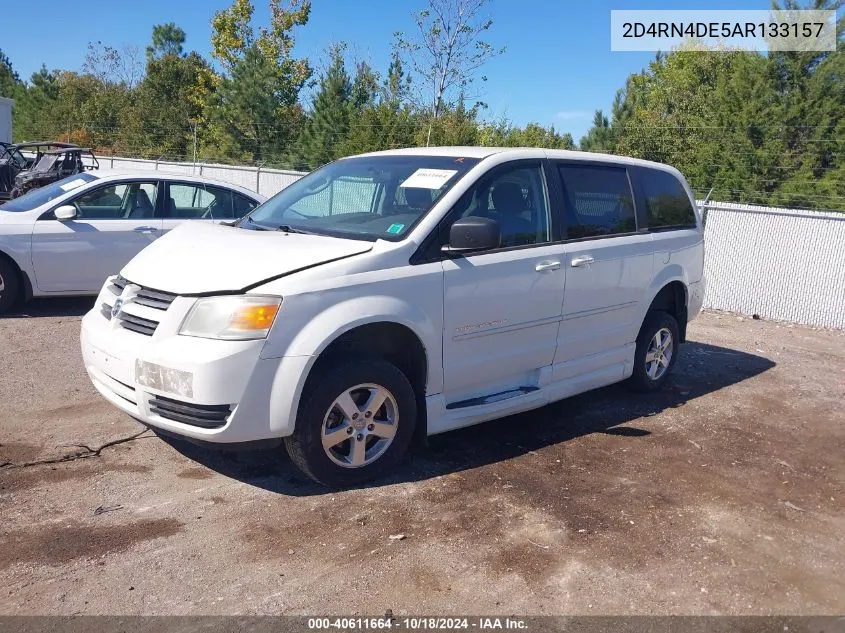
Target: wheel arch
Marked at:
670, 293
23, 277
391, 340
378, 320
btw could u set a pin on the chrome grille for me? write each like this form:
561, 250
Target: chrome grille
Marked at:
155, 299
137, 324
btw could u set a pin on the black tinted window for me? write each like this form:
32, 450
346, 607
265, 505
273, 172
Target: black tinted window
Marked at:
665, 199
198, 202
516, 199
597, 201
242, 205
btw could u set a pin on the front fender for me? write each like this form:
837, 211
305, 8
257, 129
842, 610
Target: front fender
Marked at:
298, 355
16, 246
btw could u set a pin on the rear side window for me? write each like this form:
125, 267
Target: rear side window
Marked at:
241, 205
597, 201
667, 204
198, 202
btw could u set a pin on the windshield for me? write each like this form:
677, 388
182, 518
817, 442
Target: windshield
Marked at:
10, 154
37, 197
367, 197
46, 163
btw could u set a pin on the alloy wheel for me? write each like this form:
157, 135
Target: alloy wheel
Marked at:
659, 354
360, 425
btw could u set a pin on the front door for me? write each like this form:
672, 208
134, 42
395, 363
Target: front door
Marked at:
113, 224
502, 307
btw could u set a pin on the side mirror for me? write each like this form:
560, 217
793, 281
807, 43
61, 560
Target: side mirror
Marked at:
473, 234
66, 212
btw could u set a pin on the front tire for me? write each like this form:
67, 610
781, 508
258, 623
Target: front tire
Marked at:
354, 424
656, 353
9, 285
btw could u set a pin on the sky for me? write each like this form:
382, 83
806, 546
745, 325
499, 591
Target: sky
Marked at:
557, 68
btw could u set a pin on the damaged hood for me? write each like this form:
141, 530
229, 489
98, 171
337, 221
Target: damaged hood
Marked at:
197, 258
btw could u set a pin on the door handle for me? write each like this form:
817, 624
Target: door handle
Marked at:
544, 266
145, 229
583, 260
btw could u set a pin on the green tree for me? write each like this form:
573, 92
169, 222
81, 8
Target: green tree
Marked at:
168, 39
503, 133
169, 107
256, 110
599, 138
10, 82
328, 123
383, 119
447, 52
33, 110
252, 112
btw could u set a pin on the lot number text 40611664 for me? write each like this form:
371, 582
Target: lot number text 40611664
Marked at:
417, 624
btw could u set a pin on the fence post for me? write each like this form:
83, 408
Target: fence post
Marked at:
200, 165
258, 179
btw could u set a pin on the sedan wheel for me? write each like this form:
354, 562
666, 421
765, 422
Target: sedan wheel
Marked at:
9, 285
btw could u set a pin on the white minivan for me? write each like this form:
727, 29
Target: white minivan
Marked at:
399, 294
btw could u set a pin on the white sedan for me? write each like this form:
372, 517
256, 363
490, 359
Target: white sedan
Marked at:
66, 238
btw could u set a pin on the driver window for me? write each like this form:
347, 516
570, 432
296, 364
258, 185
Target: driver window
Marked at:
118, 201
516, 199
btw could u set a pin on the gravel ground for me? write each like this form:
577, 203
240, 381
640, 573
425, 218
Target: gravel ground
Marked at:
722, 494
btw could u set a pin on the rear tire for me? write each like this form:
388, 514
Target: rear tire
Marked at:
10, 285
338, 451
656, 353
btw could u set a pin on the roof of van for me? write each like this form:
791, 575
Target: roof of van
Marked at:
523, 152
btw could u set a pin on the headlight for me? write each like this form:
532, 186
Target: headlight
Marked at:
239, 317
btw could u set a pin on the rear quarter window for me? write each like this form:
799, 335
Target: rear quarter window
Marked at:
667, 204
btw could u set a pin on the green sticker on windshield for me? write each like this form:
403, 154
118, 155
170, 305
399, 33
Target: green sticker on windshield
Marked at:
393, 229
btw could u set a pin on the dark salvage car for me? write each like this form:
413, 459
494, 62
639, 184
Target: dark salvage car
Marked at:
52, 166
16, 158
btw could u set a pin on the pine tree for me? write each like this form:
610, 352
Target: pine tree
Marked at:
328, 122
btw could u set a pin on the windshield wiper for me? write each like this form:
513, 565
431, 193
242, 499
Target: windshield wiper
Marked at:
255, 225
287, 228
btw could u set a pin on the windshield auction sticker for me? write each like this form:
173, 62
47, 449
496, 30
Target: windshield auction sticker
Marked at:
750, 30
429, 178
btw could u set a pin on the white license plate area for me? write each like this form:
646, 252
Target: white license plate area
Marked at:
112, 366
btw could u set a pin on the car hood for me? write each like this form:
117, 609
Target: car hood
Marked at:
209, 258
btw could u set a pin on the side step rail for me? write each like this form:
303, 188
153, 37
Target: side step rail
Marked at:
491, 398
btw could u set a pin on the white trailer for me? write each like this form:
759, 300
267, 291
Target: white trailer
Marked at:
6, 106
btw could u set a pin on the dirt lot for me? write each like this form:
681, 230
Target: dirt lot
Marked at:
722, 494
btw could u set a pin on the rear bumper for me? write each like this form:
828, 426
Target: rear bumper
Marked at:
696, 298
232, 391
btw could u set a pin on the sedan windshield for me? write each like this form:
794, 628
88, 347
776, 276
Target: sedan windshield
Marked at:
37, 197
367, 197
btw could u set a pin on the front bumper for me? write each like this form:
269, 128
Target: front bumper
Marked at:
233, 390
